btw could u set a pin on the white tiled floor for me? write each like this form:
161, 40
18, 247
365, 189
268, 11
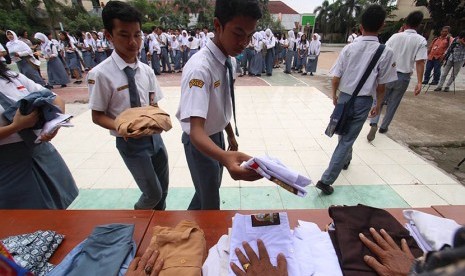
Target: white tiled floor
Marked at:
285, 122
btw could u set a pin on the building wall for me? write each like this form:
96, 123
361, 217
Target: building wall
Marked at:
404, 7
288, 20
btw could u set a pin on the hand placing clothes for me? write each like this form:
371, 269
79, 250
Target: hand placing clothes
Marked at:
258, 265
147, 265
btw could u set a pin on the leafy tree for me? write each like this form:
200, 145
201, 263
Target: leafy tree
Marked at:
445, 12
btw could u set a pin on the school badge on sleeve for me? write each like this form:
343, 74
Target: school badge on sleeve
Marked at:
196, 82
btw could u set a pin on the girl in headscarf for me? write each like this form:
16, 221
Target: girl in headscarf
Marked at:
184, 47
56, 72
256, 65
100, 47
291, 46
296, 64
32, 176
87, 51
302, 52
176, 50
270, 41
203, 40
313, 53
71, 57
22, 55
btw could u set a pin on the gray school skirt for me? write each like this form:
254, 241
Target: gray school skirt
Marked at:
36, 178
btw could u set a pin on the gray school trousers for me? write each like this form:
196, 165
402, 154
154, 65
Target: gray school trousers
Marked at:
206, 174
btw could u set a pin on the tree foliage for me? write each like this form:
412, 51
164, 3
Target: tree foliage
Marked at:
445, 13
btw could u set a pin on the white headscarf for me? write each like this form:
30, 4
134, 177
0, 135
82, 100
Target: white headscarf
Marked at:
314, 48
45, 42
17, 46
184, 39
90, 41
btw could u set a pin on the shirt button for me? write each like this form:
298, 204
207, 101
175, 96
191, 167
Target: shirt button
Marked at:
183, 261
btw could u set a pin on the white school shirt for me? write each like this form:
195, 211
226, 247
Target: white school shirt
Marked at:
194, 44
108, 86
205, 90
408, 47
353, 61
2, 50
352, 37
17, 89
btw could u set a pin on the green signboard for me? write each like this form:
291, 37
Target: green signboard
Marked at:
310, 19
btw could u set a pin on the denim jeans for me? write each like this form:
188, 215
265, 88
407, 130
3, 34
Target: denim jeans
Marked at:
431, 65
343, 152
394, 93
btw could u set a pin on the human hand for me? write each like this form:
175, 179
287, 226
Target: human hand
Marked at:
233, 161
232, 143
374, 111
417, 89
48, 137
335, 98
390, 259
258, 265
25, 121
148, 264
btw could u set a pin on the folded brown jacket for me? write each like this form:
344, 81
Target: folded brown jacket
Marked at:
142, 121
183, 248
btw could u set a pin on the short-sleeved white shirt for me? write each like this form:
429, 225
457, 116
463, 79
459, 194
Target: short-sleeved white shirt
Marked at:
352, 37
408, 47
108, 86
16, 89
205, 90
353, 61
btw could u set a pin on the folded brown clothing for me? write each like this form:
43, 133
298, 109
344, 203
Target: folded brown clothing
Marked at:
349, 221
182, 248
142, 121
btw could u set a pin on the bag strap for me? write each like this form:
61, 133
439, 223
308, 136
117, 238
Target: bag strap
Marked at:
370, 67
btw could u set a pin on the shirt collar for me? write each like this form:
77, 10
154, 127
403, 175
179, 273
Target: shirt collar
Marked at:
216, 52
121, 63
368, 38
412, 31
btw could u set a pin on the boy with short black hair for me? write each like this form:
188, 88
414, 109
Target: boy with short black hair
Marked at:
120, 82
205, 107
347, 72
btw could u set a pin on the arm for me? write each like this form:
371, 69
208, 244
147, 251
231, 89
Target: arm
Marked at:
379, 100
420, 67
20, 122
230, 159
101, 119
335, 85
232, 143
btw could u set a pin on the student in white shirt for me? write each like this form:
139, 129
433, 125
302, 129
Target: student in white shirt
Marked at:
353, 36
205, 107
270, 42
194, 44
164, 57
410, 49
110, 94
184, 47
347, 72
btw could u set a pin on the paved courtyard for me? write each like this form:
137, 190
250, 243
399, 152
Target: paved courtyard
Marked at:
283, 116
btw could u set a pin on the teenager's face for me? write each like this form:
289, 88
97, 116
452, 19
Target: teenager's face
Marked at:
9, 36
94, 36
62, 36
444, 32
234, 36
126, 38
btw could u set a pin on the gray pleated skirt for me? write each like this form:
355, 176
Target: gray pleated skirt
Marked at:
56, 72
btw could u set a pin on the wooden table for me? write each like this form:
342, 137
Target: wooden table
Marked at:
76, 225
455, 212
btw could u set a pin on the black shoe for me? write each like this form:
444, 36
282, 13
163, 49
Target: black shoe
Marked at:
346, 166
433, 83
269, 75
304, 74
438, 89
311, 74
78, 82
63, 86
48, 86
383, 130
326, 189
258, 75
424, 82
287, 72
446, 89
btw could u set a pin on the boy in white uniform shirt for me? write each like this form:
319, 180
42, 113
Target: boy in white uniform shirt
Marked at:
121, 82
347, 72
205, 106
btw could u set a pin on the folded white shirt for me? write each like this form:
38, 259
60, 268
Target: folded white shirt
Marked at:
273, 170
62, 120
217, 262
436, 231
277, 239
315, 251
